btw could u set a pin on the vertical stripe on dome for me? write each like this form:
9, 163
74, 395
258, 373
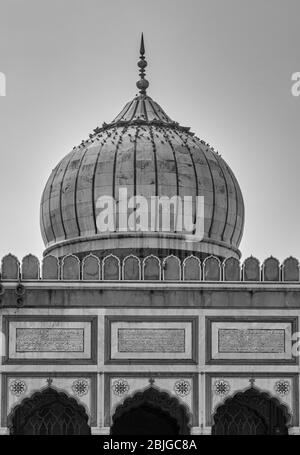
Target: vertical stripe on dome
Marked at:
124, 144
165, 135
204, 183
227, 197
104, 169
56, 213
68, 200
232, 202
233, 239
186, 185
145, 110
84, 191
184, 141
93, 187
139, 112
241, 216
155, 159
124, 164
221, 203
76, 189
46, 222
145, 170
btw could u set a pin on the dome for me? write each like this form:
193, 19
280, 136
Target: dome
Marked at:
146, 152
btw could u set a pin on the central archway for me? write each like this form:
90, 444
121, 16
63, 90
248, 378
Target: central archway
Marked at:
49, 412
251, 413
150, 412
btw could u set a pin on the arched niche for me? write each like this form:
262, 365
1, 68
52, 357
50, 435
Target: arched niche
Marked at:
211, 269
50, 268
91, 268
251, 412
270, 269
49, 412
147, 408
111, 269
70, 268
171, 268
10, 267
251, 269
231, 269
131, 268
290, 269
191, 269
30, 267
151, 268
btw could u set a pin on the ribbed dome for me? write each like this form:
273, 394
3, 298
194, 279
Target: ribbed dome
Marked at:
143, 150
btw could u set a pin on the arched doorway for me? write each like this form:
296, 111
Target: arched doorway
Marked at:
49, 412
251, 413
150, 412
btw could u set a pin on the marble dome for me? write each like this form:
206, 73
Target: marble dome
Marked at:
144, 150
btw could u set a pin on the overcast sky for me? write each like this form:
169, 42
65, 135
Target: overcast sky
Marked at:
222, 67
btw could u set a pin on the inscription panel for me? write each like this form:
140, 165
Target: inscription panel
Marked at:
50, 340
249, 340
151, 340
144, 339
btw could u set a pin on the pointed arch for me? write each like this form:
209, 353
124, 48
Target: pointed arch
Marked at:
171, 268
10, 267
212, 268
151, 268
30, 267
50, 268
160, 402
191, 268
49, 412
91, 268
270, 269
231, 269
135, 272
114, 273
251, 269
70, 268
251, 412
290, 269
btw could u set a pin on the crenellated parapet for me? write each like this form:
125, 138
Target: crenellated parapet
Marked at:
149, 268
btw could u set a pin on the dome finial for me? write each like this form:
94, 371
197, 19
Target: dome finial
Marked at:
142, 84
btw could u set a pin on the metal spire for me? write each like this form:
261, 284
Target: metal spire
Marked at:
142, 84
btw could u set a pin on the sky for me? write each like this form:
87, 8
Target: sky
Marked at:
222, 67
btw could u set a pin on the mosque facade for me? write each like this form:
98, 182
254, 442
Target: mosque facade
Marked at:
153, 331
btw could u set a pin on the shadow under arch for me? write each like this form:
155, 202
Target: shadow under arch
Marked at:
251, 412
49, 412
151, 412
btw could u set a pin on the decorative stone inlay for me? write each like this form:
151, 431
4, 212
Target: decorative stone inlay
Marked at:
80, 387
120, 387
221, 387
182, 388
18, 387
251, 340
151, 340
49, 340
282, 387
